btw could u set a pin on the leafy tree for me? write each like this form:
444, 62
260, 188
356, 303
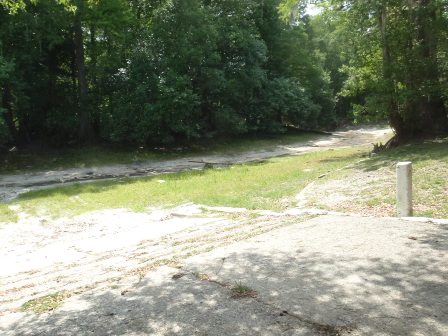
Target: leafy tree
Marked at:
161, 71
396, 64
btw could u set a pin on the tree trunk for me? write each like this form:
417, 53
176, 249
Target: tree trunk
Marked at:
430, 104
85, 124
8, 115
421, 112
395, 119
93, 54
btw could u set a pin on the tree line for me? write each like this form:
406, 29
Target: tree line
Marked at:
139, 71
170, 71
389, 59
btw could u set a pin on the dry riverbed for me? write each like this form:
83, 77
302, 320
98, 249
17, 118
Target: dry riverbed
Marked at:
13, 185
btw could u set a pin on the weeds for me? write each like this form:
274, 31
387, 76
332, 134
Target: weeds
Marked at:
46, 303
240, 291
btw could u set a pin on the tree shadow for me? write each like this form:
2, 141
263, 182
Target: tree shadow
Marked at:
419, 152
435, 238
300, 292
159, 305
73, 189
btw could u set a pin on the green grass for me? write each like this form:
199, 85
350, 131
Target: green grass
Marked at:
269, 185
34, 159
6, 214
46, 303
240, 291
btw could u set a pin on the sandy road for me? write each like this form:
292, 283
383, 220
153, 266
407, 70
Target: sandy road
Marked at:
13, 185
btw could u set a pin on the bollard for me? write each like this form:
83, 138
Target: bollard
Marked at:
404, 189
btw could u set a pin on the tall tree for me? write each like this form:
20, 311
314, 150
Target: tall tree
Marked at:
85, 122
395, 61
159, 71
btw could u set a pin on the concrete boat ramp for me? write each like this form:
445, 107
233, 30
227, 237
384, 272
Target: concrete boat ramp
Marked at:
321, 275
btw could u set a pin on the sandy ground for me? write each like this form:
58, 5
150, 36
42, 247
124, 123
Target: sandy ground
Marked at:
171, 272
353, 191
329, 275
13, 185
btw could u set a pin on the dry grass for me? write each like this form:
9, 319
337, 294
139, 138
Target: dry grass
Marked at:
369, 187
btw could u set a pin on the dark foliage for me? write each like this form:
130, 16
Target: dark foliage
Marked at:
164, 71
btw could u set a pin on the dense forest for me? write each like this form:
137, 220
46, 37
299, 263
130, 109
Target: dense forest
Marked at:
171, 71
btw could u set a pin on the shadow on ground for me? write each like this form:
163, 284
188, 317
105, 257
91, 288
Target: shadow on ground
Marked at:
355, 287
420, 152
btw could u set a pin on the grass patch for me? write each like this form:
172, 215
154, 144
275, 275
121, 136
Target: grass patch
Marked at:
270, 185
240, 291
46, 303
430, 171
33, 159
6, 214
371, 184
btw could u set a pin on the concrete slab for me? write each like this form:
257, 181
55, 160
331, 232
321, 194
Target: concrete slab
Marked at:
30, 247
382, 276
331, 275
159, 305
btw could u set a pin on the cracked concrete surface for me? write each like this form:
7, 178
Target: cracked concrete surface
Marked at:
378, 276
40, 259
330, 275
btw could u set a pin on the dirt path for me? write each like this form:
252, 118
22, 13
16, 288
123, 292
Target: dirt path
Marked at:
13, 185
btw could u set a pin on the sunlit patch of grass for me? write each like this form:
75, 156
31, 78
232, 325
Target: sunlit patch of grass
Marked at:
46, 303
6, 214
270, 185
267, 185
371, 185
430, 171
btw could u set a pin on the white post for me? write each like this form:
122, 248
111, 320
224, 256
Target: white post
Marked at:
404, 189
